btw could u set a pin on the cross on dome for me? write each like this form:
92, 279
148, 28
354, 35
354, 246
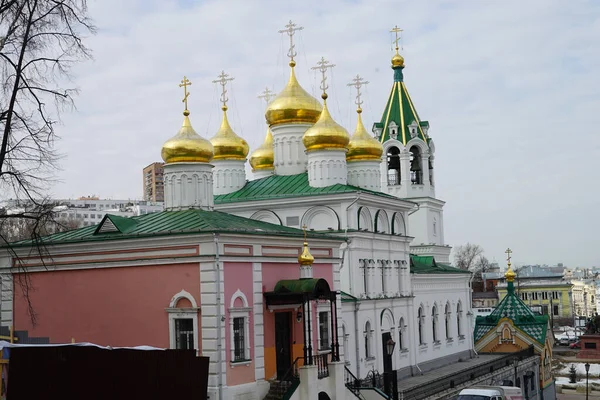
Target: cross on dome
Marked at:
223, 79
267, 95
322, 66
398, 33
508, 257
358, 82
290, 29
185, 82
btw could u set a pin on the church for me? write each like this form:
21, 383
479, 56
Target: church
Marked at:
329, 262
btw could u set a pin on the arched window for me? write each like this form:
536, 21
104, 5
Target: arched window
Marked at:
459, 319
448, 321
393, 163
183, 321
434, 317
416, 168
401, 334
239, 328
431, 170
420, 322
368, 335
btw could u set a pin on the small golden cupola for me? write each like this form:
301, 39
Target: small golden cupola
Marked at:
305, 259
325, 134
227, 144
187, 145
264, 156
362, 146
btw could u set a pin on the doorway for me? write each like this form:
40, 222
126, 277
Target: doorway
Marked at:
283, 340
387, 358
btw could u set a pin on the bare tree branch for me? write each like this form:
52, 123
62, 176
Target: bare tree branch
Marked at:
466, 255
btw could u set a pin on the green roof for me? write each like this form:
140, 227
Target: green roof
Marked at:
287, 186
170, 223
347, 297
428, 265
514, 308
401, 110
307, 285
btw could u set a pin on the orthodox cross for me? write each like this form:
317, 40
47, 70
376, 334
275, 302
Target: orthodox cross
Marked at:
358, 82
304, 229
322, 66
223, 79
290, 29
184, 84
267, 95
508, 253
398, 33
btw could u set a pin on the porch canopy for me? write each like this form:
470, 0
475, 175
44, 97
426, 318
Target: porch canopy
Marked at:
297, 291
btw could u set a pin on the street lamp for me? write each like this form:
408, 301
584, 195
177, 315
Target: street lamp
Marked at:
390, 345
390, 376
587, 378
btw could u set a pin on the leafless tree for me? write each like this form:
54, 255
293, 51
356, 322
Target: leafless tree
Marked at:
465, 256
40, 42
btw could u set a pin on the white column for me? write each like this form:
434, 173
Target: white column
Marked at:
188, 185
289, 151
228, 176
6, 294
365, 174
405, 169
327, 167
259, 334
425, 168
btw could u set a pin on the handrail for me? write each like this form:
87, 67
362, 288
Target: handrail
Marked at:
288, 383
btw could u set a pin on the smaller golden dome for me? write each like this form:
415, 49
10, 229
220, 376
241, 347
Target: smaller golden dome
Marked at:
263, 157
306, 258
510, 275
227, 144
325, 134
397, 60
187, 145
363, 146
293, 105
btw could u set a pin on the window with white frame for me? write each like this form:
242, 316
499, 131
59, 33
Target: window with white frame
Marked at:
324, 340
420, 320
239, 328
459, 319
434, 320
448, 321
401, 334
183, 321
368, 338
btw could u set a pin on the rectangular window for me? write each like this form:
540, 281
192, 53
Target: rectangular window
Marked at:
184, 333
544, 310
324, 330
555, 311
239, 339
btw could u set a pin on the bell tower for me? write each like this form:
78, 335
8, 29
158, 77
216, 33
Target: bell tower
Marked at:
407, 163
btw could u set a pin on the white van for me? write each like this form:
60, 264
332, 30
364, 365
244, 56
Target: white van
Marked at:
491, 393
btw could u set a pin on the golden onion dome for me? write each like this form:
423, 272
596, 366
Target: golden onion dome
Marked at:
363, 146
397, 60
306, 258
510, 275
263, 157
187, 145
293, 105
325, 134
227, 144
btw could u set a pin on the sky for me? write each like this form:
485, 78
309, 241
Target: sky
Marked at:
510, 89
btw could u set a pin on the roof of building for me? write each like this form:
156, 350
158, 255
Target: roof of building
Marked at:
171, 223
485, 295
511, 306
287, 186
428, 265
401, 110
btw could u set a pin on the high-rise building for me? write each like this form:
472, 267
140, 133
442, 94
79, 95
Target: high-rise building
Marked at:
153, 182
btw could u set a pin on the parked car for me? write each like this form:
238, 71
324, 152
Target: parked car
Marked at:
575, 345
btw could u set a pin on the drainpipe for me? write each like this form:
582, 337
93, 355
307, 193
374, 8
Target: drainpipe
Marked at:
348, 209
356, 340
219, 317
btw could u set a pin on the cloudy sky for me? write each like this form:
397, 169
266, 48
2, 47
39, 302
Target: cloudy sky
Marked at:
510, 88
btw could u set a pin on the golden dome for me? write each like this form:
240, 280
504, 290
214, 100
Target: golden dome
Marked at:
293, 105
264, 156
397, 60
227, 144
510, 275
325, 133
306, 258
187, 145
363, 146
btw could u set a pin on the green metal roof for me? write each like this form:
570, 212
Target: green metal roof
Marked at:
347, 297
514, 308
307, 285
401, 110
287, 186
170, 223
428, 265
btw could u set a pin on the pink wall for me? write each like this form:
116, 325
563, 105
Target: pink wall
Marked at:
238, 276
110, 306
